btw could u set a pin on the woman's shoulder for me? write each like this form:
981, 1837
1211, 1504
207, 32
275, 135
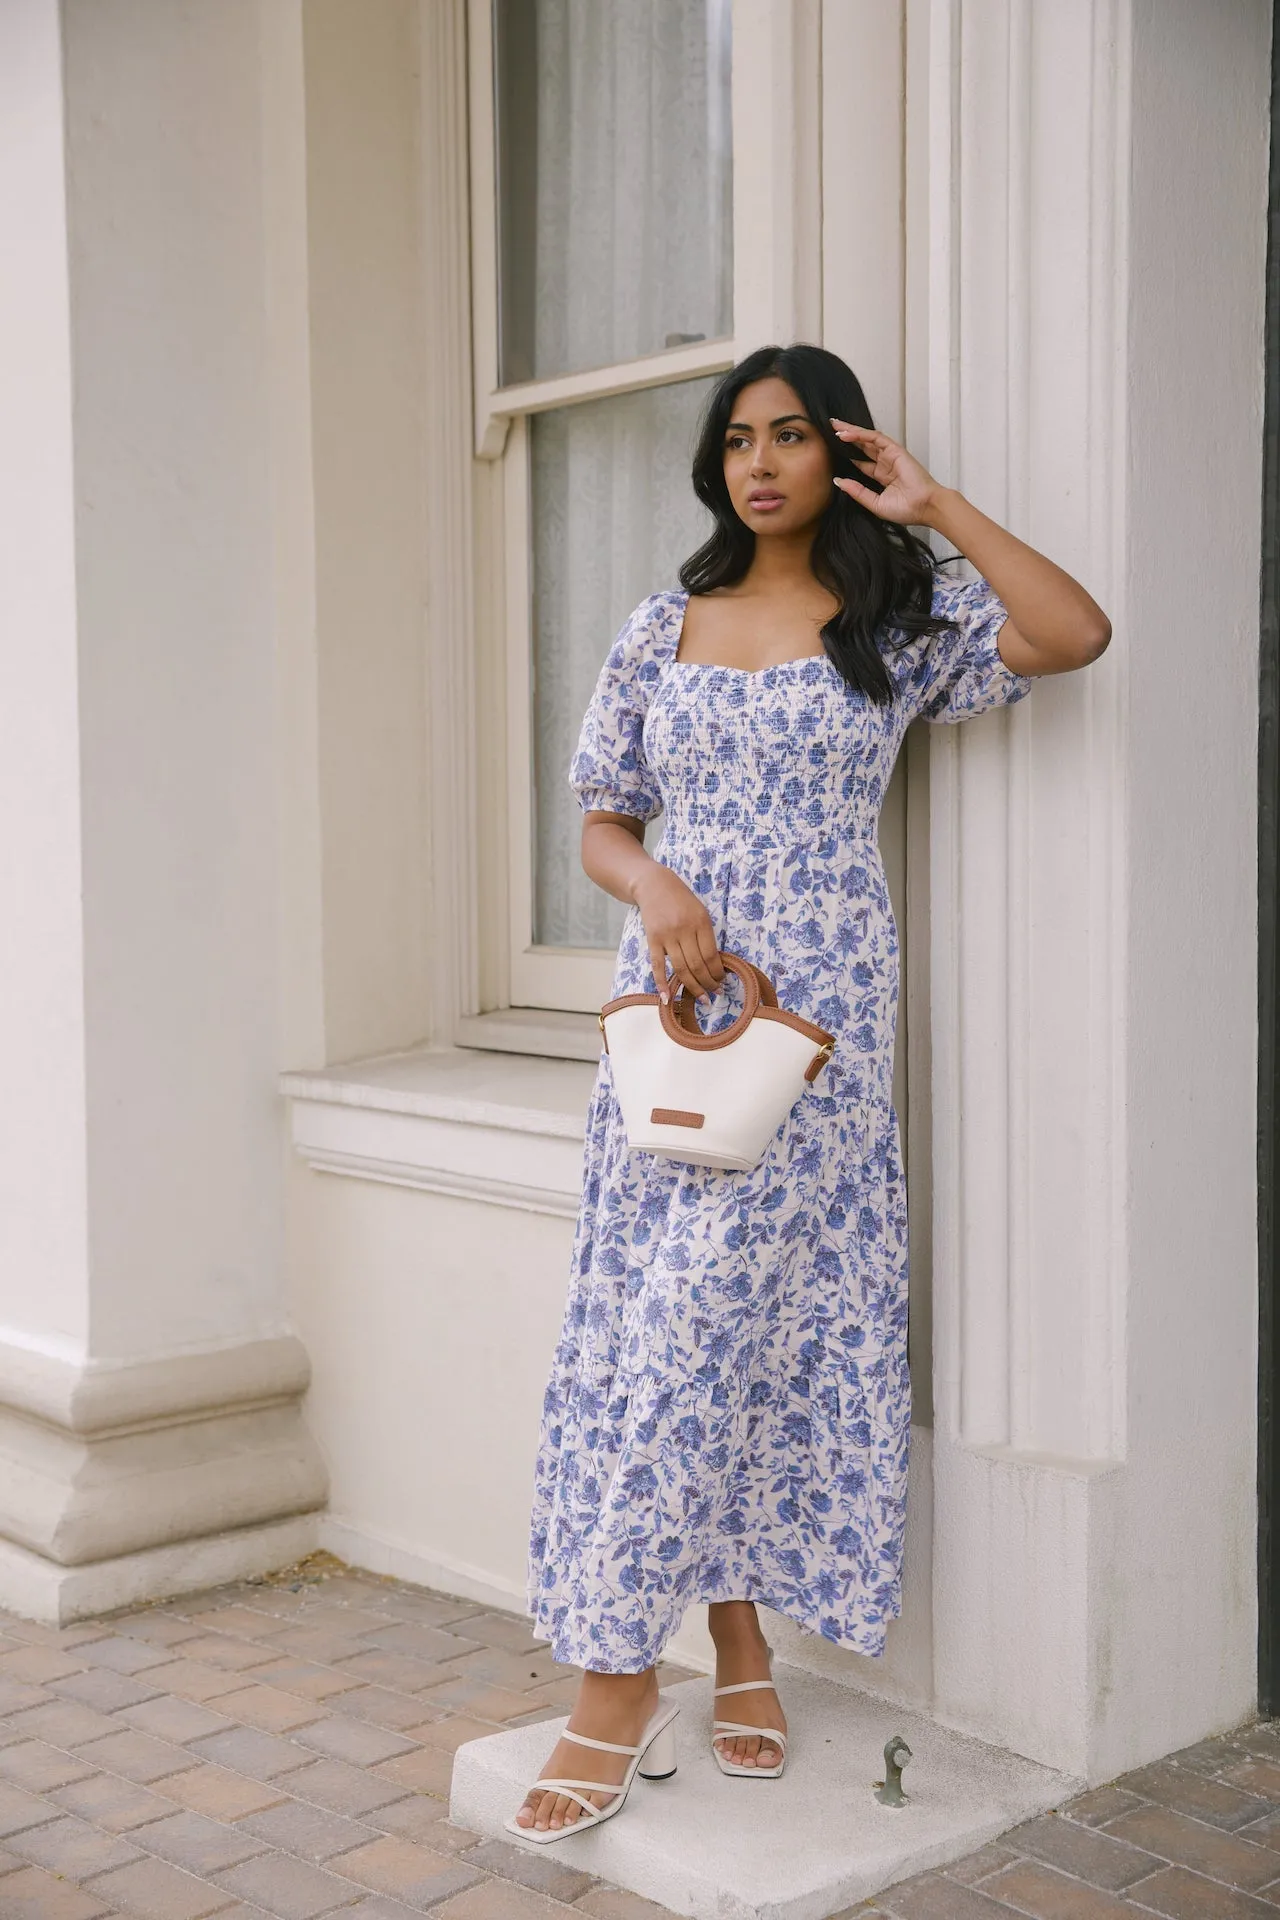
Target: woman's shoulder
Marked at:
650, 634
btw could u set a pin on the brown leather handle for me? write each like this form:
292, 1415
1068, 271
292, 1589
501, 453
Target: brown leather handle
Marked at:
680, 1023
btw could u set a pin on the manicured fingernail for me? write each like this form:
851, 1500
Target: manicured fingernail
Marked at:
664, 997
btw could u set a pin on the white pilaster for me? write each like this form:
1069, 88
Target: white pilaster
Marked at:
1024, 340
149, 1389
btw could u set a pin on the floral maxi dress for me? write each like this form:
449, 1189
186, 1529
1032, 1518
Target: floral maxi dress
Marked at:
728, 1410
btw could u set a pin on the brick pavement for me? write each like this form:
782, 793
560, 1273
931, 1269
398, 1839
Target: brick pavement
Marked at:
281, 1749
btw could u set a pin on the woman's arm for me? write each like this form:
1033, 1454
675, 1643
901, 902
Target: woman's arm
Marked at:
677, 925
1054, 626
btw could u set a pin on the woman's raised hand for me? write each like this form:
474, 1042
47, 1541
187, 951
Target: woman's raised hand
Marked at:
908, 490
678, 928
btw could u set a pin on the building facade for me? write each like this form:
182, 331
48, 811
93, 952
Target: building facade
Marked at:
342, 423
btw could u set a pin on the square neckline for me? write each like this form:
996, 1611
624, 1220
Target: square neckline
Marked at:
718, 666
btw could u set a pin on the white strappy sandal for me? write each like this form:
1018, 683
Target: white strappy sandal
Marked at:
773, 1734
653, 1759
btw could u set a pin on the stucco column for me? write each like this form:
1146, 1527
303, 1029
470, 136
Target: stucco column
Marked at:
150, 1435
1097, 181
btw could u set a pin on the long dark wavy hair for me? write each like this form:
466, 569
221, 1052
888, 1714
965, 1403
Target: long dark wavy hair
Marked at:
881, 574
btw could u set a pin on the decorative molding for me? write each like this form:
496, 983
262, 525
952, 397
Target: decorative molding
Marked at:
477, 1126
37, 1589
103, 1459
448, 532
92, 1399
1025, 412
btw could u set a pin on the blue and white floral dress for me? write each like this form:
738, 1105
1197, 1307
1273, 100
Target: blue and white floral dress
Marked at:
728, 1412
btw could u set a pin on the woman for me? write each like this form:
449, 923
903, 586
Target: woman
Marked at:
728, 1412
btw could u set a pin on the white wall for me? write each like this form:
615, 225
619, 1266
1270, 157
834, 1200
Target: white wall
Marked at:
1185, 1520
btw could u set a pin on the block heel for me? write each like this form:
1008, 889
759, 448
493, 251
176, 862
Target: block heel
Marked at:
659, 1759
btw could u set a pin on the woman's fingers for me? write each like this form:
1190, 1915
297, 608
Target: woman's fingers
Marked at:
658, 967
710, 952
693, 968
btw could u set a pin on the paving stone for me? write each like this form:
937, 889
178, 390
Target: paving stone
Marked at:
33, 1894
136, 1756
517, 1671
980, 1865
934, 1896
37, 1664
505, 1900
222, 1650
1086, 1851
15, 1695
103, 1690
344, 1789
426, 1771
292, 1889
1186, 1792
194, 1680
383, 1708
419, 1817
311, 1833
176, 1720
1211, 1756
345, 1619
614, 1903
353, 1741
419, 1642
448, 1735
372, 1666
1255, 1775
1049, 1895
1100, 1804
263, 1756
72, 1848
1265, 1832
242, 1622
123, 1654
156, 1627
159, 1891
326, 1645
269, 1708
36, 1634
380, 1906
218, 1793
480, 1700
1183, 1895
1192, 1843
200, 1845
63, 1723
119, 1806
308, 1681
429, 1609
415, 1875
38, 1767
543, 1871
505, 1630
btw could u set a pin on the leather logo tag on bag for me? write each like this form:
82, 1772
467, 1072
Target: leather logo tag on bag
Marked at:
673, 1117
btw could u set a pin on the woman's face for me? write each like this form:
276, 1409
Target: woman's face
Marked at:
776, 464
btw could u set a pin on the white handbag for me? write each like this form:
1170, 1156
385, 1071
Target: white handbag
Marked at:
715, 1099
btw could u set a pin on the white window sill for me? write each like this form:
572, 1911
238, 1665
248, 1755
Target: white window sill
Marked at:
529, 1030
485, 1126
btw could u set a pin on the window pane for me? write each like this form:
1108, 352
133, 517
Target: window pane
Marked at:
614, 514
614, 180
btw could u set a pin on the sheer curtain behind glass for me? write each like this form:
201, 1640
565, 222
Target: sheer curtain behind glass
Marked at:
614, 514
615, 194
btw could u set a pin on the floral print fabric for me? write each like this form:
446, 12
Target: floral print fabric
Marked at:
728, 1410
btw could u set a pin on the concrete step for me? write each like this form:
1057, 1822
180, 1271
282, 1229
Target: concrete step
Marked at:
797, 1848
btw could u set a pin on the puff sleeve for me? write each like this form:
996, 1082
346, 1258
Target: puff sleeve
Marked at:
608, 771
960, 672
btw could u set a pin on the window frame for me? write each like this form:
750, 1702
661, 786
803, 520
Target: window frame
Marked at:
777, 274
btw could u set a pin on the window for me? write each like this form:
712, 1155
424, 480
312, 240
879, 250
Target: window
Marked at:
607, 295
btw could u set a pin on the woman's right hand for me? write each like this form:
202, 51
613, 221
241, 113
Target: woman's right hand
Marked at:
679, 929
